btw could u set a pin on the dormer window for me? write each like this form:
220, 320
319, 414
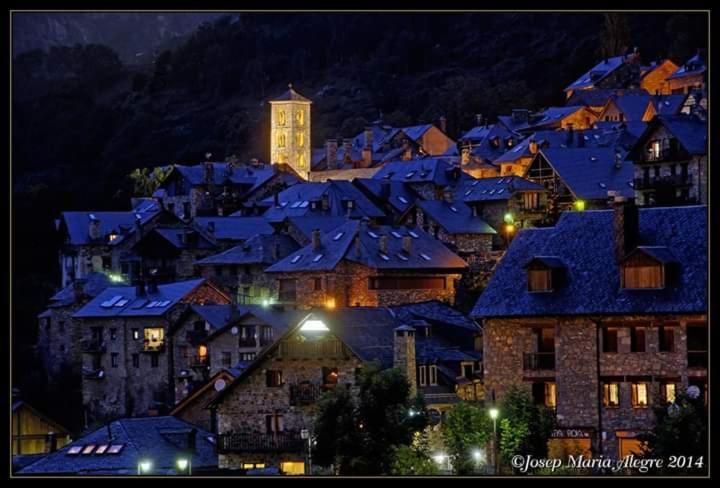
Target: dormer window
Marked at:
544, 273
646, 268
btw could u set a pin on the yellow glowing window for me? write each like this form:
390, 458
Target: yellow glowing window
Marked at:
300, 116
248, 466
668, 390
639, 395
611, 394
202, 352
154, 338
292, 467
281, 117
112, 237
300, 139
301, 161
281, 140
550, 395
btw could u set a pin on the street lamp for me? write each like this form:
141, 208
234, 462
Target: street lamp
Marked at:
144, 466
477, 456
184, 465
494, 413
305, 435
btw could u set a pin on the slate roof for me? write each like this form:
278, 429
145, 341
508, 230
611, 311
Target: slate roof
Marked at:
455, 218
256, 250
435, 312
589, 173
633, 107
426, 252
307, 223
584, 243
693, 66
290, 95
297, 201
234, 228
168, 295
93, 284
597, 97
174, 236
691, 131
161, 439
400, 198
246, 176
481, 137
439, 171
121, 223
597, 73
496, 188
668, 104
219, 316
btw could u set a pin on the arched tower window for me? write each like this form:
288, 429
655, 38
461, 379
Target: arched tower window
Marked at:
301, 160
281, 140
281, 117
300, 116
300, 137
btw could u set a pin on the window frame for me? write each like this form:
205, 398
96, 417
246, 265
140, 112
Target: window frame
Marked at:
608, 386
635, 394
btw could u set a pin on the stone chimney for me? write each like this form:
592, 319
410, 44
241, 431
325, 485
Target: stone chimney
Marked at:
358, 245
94, 228
316, 239
404, 355
407, 151
78, 290
533, 146
407, 244
366, 157
325, 200
625, 227
443, 124
383, 244
331, 146
618, 160
347, 146
368, 136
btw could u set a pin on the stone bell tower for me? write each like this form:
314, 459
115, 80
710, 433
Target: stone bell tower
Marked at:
290, 131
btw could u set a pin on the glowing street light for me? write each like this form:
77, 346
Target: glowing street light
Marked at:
184, 465
509, 219
144, 466
494, 414
579, 205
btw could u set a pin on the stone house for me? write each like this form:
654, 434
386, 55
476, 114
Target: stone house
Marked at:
192, 409
262, 414
482, 145
692, 74
239, 270
359, 264
600, 318
671, 161
523, 121
127, 346
614, 72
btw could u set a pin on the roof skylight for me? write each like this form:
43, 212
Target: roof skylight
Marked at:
425, 256
296, 259
317, 258
338, 236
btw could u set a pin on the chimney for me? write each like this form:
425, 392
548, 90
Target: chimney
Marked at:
443, 124
276, 198
316, 239
385, 190
368, 136
366, 157
326, 202
580, 138
209, 174
192, 435
533, 146
358, 246
404, 355
331, 146
383, 244
407, 244
407, 152
570, 134
478, 119
448, 194
347, 146
94, 228
138, 225
625, 227
109, 432
140, 289
520, 115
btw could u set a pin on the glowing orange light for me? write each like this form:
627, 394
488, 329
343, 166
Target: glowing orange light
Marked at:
330, 303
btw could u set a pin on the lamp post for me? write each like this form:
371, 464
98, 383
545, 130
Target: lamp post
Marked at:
494, 412
305, 435
144, 466
509, 227
184, 465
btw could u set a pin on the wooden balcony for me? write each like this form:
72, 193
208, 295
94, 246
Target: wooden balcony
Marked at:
251, 442
537, 361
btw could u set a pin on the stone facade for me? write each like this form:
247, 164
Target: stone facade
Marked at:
348, 285
579, 371
251, 284
58, 343
290, 141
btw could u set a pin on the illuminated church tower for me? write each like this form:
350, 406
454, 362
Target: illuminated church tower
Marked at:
290, 131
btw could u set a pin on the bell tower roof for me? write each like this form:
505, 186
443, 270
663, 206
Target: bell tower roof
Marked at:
291, 95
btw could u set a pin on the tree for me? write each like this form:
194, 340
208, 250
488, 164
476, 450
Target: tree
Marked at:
525, 427
681, 430
147, 181
678, 29
408, 461
615, 37
466, 428
356, 435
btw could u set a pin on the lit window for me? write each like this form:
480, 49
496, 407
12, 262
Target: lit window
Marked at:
281, 117
668, 392
292, 467
88, 449
281, 140
74, 450
550, 395
539, 280
300, 139
112, 237
639, 395
611, 394
115, 448
136, 334
154, 338
643, 277
101, 449
300, 117
273, 378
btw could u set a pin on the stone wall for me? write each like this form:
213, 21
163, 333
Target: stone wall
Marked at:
58, 343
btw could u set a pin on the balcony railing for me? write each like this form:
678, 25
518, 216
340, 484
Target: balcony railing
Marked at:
251, 442
534, 361
247, 342
666, 154
697, 359
656, 181
96, 346
304, 394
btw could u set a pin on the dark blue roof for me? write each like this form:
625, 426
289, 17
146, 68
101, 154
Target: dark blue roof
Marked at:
234, 228
691, 131
590, 173
308, 223
668, 104
400, 198
597, 73
123, 300
435, 312
298, 201
220, 316
174, 236
426, 252
440, 171
481, 141
162, 440
93, 285
633, 106
549, 117
256, 250
584, 243
455, 218
693, 66
496, 188
121, 224
597, 97
247, 176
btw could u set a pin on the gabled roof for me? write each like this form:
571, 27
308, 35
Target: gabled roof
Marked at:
597, 73
589, 173
400, 198
307, 223
496, 188
297, 201
426, 252
668, 104
660, 253
256, 250
633, 107
597, 97
245, 176
549, 117
439, 171
549, 261
693, 66
584, 242
290, 96
481, 137
93, 284
220, 316
435, 312
121, 224
122, 301
174, 236
210, 386
163, 439
234, 228
690, 131
455, 218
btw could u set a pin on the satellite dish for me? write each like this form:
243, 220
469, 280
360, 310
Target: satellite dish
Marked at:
220, 385
693, 391
234, 331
